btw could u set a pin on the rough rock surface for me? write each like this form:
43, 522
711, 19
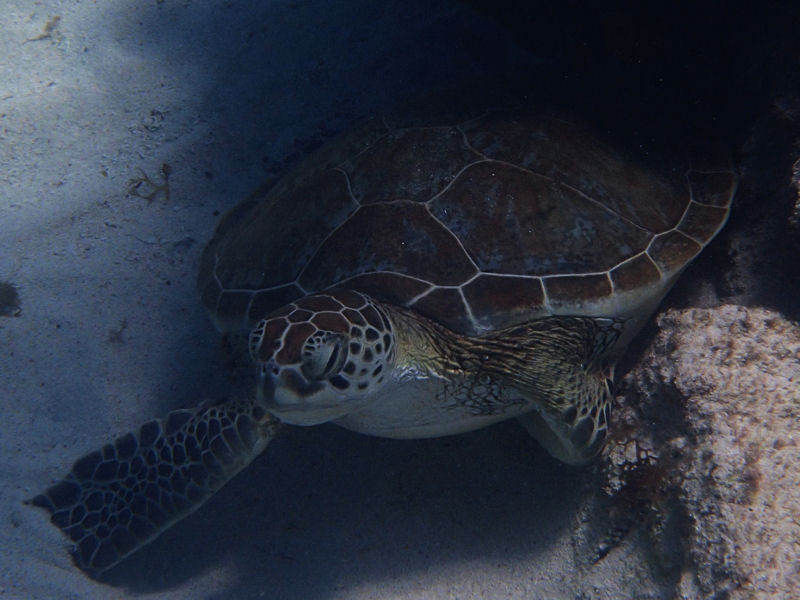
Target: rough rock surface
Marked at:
709, 443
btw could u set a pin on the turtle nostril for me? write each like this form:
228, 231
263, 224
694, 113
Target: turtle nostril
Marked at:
265, 385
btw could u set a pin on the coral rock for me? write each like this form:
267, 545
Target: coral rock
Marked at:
719, 414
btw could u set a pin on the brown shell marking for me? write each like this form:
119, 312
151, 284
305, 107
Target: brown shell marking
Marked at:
479, 226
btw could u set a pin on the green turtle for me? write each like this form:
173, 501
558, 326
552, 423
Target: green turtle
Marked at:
412, 280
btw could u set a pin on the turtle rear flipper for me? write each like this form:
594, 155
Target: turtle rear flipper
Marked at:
119, 498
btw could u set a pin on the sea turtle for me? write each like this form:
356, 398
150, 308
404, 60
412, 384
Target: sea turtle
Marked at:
410, 281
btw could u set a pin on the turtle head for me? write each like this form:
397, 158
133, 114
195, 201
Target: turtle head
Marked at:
322, 356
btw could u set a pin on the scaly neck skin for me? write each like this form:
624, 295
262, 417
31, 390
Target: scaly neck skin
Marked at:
549, 360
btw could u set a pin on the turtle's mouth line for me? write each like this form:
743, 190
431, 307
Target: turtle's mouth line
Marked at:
307, 417
297, 401
289, 379
307, 413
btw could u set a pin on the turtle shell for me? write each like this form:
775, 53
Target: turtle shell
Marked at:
478, 225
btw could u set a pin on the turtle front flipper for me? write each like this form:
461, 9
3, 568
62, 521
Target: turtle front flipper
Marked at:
563, 365
121, 497
576, 435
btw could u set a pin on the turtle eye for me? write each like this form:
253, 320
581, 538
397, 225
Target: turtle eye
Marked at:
323, 355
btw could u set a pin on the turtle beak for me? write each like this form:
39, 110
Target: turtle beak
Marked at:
283, 387
265, 383
288, 395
